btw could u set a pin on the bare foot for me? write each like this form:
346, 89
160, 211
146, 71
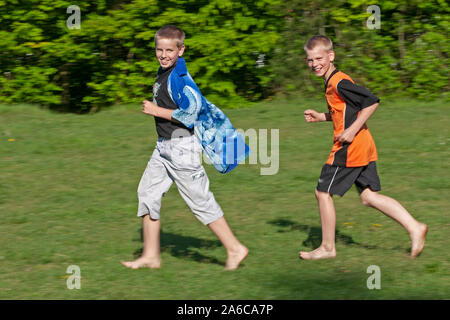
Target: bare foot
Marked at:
143, 262
235, 258
319, 253
418, 240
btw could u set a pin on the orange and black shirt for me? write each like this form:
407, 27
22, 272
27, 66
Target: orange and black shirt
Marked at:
345, 101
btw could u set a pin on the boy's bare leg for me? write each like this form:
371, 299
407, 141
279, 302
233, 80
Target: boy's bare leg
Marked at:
236, 252
327, 212
150, 257
393, 209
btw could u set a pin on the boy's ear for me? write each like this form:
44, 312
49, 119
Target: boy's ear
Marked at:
180, 53
331, 55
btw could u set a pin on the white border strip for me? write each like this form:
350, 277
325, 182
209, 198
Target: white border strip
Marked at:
329, 187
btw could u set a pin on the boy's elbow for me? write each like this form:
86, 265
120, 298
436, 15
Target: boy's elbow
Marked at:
374, 106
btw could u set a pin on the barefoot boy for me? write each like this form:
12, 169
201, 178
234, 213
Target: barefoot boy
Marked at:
353, 155
177, 155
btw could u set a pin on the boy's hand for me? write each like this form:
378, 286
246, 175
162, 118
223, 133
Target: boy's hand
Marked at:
313, 116
349, 134
346, 136
152, 109
149, 108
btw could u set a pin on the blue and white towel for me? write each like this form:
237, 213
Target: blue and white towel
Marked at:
223, 145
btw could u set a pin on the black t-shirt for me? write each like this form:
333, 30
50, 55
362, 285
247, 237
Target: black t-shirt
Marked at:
161, 97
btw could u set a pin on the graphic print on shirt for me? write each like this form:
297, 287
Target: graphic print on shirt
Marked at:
155, 91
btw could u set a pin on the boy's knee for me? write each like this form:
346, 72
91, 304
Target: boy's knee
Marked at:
321, 194
365, 202
316, 192
367, 197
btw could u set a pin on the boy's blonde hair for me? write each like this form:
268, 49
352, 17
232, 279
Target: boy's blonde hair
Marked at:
171, 32
319, 40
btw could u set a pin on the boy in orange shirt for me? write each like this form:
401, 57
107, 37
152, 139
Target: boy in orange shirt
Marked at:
353, 155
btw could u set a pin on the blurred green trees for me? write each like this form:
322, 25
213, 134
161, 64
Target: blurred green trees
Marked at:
237, 51
407, 56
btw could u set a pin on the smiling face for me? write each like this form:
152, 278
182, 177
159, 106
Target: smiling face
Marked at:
320, 61
168, 52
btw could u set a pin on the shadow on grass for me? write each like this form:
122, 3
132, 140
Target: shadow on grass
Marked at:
184, 247
315, 234
320, 284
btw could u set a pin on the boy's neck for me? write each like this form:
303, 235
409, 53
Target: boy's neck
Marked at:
327, 75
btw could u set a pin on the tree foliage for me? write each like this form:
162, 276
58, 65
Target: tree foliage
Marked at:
407, 56
237, 51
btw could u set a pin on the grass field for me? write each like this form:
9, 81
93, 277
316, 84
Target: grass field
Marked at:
68, 197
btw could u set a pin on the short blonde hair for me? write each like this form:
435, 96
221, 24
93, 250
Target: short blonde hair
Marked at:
171, 32
319, 40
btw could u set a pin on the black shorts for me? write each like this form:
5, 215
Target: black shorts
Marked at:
337, 180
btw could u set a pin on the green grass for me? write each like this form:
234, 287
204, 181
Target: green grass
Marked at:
68, 197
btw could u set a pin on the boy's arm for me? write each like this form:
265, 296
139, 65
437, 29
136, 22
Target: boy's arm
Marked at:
314, 116
349, 134
358, 98
153, 110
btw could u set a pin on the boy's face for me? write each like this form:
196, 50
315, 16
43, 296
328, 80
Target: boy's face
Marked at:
320, 61
167, 52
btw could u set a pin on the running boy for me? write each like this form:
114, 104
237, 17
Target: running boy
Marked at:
353, 155
177, 156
